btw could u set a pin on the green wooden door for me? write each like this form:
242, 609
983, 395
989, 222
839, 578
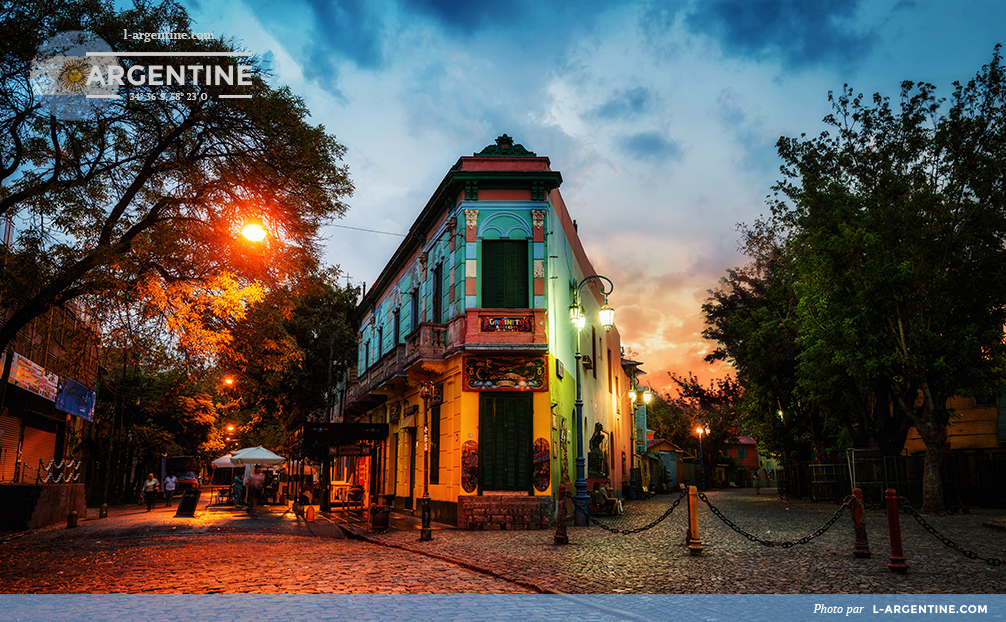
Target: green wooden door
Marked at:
505, 441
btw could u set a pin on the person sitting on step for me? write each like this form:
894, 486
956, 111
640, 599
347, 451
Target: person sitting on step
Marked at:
605, 505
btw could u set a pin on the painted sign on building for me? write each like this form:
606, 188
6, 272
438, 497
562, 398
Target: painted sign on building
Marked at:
507, 324
33, 377
505, 374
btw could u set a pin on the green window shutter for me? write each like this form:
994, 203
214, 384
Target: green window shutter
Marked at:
504, 274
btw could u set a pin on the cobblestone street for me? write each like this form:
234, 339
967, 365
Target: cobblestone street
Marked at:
222, 550
657, 561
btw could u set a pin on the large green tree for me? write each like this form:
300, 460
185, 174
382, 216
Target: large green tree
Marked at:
289, 352
896, 219
153, 186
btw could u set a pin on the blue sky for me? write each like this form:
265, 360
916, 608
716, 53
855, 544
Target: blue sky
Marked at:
661, 116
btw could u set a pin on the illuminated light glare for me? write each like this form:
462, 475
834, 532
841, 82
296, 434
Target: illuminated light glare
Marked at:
254, 230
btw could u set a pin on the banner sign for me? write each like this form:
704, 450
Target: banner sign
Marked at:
75, 398
32, 377
506, 324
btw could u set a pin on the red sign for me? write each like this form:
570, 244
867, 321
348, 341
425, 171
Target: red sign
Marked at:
32, 377
507, 324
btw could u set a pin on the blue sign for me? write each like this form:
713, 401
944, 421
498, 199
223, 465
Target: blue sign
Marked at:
75, 398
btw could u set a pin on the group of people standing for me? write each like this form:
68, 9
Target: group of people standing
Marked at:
246, 491
151, 486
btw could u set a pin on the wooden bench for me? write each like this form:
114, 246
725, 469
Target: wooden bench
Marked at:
595, 508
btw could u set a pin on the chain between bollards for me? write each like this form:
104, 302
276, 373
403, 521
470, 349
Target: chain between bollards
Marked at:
804, 540
992, 561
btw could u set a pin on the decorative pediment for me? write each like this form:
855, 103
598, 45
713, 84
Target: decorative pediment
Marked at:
506, 147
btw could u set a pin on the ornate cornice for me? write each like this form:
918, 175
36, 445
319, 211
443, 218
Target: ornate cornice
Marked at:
506, 147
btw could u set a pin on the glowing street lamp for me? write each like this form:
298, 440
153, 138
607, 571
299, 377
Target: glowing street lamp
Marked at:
577, 317
254, 229
700, 430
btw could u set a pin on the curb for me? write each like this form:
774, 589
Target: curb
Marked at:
355, 534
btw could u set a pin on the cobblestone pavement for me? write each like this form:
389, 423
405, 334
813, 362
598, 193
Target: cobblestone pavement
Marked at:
222, 550
657, 560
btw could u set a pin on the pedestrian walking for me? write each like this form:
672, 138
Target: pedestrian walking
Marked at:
150, 489
170, 482
236, 489
255, 483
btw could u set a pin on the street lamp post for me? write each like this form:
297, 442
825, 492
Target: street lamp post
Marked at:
635, 396
701, 429
426, 392
576, 315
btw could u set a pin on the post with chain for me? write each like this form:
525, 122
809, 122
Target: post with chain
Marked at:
560, 519
694, 543
897, 564
862, 547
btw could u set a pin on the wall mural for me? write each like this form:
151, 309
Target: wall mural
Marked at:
505, 374
542, 465
470, 466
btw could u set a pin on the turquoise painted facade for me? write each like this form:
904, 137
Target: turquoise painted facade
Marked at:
475, 302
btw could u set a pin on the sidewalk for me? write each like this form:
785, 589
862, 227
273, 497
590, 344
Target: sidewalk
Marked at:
209, 517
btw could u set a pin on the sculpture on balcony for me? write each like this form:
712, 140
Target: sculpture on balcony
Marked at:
596, 458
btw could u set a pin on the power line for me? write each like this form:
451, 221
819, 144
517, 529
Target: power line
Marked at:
401, 235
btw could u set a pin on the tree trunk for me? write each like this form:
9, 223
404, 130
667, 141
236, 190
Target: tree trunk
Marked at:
934, 435
933, 431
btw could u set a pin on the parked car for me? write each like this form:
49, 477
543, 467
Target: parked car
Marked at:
187, 480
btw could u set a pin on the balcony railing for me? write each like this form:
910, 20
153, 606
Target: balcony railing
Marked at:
427, 342
477, 329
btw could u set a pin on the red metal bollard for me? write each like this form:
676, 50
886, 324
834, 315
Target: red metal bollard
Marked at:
894, 526
862, 547
560, 519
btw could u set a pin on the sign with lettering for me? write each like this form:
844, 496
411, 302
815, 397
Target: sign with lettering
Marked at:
507, 324
349, 450
32, 377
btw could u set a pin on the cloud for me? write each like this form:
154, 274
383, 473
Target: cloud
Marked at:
800, 33
626, 103
651, 146
467, 16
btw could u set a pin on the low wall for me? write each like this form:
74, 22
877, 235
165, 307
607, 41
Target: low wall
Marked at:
26, 506
504, 512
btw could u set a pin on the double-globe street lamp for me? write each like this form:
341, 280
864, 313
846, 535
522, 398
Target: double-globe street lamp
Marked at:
636, 396
579, 319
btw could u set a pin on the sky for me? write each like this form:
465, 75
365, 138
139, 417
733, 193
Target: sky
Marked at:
661, 116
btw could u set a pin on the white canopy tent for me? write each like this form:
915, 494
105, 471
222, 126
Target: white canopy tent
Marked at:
224, 462
256, 455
